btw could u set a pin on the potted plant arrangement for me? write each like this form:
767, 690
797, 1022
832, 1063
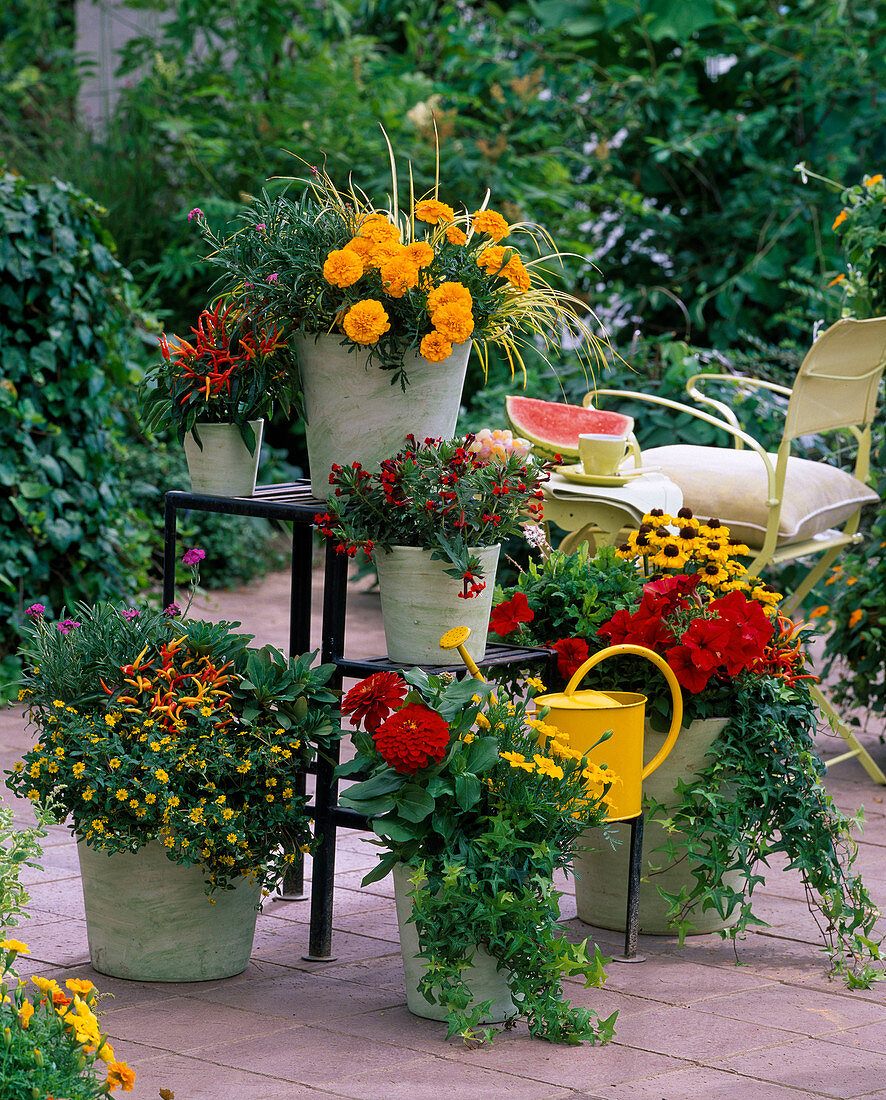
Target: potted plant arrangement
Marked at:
744, 781
384, 304
475, 810
214, 392
433, 518
172, 749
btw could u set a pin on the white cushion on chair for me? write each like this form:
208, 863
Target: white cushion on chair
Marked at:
731, 485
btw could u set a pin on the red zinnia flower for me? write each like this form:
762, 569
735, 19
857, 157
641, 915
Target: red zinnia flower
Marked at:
571, 654
412, 738
373, 699
508, 616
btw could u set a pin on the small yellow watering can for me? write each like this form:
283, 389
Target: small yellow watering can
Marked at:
585, 716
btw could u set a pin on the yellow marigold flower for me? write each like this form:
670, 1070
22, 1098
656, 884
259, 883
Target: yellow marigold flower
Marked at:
378, 228
366, 321
343, 267
455, 235
25, 1013
518, 760
856, 617
840, 218
119, 1074
468, 738
491, 223
433, 212
398, 275
453, 323
80, 986
15, 945
421, 253
435, 348
535, 682
483, 722
449, 294
516, 274
547, 767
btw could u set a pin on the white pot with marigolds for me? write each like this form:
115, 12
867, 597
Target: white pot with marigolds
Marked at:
171, 748
385, 304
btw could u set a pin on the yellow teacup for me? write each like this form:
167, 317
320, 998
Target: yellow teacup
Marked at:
602, 455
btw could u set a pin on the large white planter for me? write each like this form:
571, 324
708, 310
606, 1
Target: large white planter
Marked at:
354, 414
420, 603
601, 874
487, 982
149, 920
224, 467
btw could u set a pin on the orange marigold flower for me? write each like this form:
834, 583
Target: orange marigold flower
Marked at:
453, 322
455, 235
120, 1074
378, 228
343, 267
412, 738
435, 347
856, 617
516, 273
820, 611
492, 259
384, 252
839, 279
366, 321
450, 294
491, 223
840, 218
421, 253
398, 276
433, 212
871, 180
363, 247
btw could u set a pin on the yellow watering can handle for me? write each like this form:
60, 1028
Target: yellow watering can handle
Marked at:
661, 663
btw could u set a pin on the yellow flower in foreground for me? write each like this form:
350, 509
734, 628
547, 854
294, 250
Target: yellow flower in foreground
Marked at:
378, 228
516, 274
518, 760
450, 294
45, 985
120, 1074
483, 722
535, 682
25, 1013
343, 267
15, 945
453, 323
435, 347
366, 321
79, 768
421, 253
80, 986
491, 223
433, 212
871, 180
455, 235
547, 767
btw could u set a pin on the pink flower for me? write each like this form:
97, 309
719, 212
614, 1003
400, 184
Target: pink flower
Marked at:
195, 213
66, 626
261, 227
192, 556
172, 610
131, 614
272, 278
36, 610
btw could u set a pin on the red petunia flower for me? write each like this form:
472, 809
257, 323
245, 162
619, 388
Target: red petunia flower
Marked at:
373, 699
691, 676
571, 654
506, 617
412, 738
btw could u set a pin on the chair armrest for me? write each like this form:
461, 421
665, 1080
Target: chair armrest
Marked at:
722, 408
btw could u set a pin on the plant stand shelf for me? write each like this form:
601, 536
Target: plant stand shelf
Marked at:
294, 503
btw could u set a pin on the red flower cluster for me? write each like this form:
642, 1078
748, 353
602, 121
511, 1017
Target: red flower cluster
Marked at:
571, 655
373, 699
412, 738
506, 617
723, 637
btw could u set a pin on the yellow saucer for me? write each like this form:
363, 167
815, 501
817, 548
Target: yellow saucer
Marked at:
577, 473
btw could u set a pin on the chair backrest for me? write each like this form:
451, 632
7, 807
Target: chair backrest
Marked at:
838, 381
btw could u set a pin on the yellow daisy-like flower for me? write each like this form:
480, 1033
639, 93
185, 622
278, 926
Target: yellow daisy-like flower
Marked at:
687, 537
491, 223
366, 321
58, 702
227, 815
711, 549
435, 348
231, 838
766, 594
713, 574
98, 825
547, 767
483, 722
79, 768
88, 794
453, 323
15, 945
421, 253
433, 212
343, 267
455, 235
518, 760
244, 767
114, 763
121, 794
25, 1012
81, 986
206, 711
33, 794
669, 556
161, 775
112, 720
196, 815
269, 798
468, 738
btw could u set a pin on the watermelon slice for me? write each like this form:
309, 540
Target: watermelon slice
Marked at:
553, 427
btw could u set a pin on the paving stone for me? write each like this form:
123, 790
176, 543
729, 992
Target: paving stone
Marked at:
866, 1037
701, 1037
703, 1083
802, 1010
819, 1066
61, 942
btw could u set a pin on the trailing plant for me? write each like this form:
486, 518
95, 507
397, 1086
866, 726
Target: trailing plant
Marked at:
441, 495
482, 804
53, 1043
19, 848
763, 795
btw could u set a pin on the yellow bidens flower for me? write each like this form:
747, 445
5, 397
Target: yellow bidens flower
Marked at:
491, 223
343, 267
433, 212
366, 321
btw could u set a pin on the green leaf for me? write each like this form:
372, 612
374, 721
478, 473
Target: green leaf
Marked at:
414, 803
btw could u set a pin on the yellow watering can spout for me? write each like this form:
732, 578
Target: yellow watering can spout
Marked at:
608, 726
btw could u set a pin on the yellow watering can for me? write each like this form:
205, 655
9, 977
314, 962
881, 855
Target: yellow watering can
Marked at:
585, 716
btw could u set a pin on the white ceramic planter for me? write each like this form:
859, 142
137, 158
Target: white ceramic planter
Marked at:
354, 414
419, 603
224, 467
149, 920
487, 982
601, 874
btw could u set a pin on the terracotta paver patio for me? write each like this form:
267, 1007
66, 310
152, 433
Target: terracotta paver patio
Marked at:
691, 1022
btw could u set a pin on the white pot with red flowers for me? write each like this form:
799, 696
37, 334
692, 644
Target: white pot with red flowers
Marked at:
386, 302
433, 518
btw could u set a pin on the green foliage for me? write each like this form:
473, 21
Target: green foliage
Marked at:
19, 848
70, 357
483, 825
763, 795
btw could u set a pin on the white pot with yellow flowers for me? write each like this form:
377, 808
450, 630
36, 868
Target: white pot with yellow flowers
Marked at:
385, 305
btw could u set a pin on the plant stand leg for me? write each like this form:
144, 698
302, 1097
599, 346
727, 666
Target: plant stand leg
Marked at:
632, 917
855, 746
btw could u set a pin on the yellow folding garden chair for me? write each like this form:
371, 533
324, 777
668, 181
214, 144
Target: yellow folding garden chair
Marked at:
781, 506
